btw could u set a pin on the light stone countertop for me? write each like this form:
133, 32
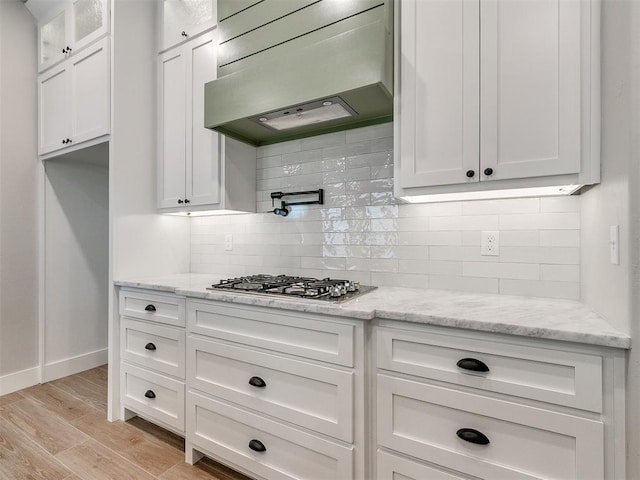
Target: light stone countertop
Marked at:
530, 317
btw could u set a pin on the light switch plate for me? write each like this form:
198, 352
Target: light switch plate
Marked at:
614, 244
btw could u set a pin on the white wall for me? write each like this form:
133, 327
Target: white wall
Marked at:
613, 290
361, 232
18, 198
142, 242
76, 262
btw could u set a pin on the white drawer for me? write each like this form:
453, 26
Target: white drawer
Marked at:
166, 404
313, 396
393, 467
563, 378
153, 346
277, 330
225, 432
156, 308
525, 443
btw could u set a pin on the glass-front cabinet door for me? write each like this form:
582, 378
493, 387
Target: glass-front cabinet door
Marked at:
53, 38
68, 27
89, 21
183, 19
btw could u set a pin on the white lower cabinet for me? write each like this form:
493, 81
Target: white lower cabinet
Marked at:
263, 447
394, 467
152, 357
482, 406
276, 394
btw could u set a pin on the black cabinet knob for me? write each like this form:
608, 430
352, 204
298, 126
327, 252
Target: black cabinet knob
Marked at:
257, 382
64, 142
257, 446
184, 34
472, 436
488, 171
150, 346
180, 201
472, 364
186, 200
64, 50
150, 308
149, 394
470, 173
69, 140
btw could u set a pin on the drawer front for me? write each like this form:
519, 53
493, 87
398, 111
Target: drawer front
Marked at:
225, 432
167, 404
393, 467
313, 396
274, 330
563, 378
155, 308
525, 442
153, 346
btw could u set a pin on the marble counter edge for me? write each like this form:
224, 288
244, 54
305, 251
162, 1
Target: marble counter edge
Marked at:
369, 311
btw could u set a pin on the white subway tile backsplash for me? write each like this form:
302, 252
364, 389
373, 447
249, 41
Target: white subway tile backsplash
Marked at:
533, 288
362, 232
540, 221
465, 284
501, 270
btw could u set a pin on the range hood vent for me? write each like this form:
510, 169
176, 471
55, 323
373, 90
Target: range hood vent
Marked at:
334, 77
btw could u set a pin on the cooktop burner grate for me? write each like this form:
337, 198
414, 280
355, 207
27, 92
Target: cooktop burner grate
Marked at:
327, 289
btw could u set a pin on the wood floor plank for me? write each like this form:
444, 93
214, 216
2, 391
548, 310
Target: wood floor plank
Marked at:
159, 433
22, 459
206, 469
141, 448
95, 395
96, 375
93, 461
10, 398
58, 401
49, 431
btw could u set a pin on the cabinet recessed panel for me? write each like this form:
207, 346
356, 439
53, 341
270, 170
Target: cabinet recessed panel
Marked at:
440, 88
54, 110
530, 93
173, 112
90, 93
203, 171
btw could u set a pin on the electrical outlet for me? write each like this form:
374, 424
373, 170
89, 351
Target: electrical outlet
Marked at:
490, 244
228, 242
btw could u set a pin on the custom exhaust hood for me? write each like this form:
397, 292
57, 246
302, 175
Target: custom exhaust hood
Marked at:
289, 69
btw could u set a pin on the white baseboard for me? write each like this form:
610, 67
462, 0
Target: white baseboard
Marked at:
17, 381
73, 365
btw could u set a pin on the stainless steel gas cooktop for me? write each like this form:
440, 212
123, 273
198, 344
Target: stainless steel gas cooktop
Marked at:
327, 289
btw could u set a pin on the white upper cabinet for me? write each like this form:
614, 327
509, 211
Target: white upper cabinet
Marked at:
74, 100
194, 162
184, 19
66, 27
496, 94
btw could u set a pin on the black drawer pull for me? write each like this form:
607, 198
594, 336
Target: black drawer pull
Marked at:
149, 394
257, 382
150, 346
150, 308
472, 436
472, 364
257, 446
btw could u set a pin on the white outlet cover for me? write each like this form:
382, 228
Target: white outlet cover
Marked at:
490, 243
228, 241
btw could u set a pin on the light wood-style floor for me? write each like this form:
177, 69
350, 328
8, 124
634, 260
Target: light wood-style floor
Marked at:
59, 431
